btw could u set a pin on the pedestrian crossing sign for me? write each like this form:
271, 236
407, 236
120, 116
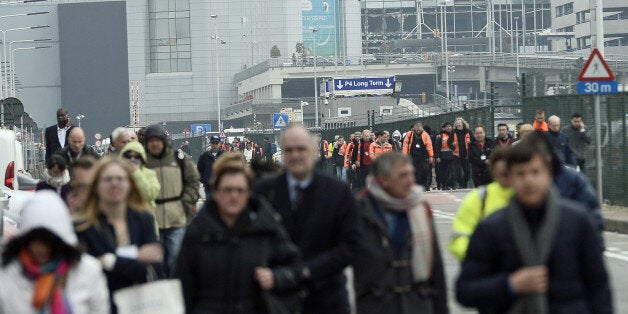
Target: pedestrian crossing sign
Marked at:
596, 69
280, 120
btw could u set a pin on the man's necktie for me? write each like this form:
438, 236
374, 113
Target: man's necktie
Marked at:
298, 199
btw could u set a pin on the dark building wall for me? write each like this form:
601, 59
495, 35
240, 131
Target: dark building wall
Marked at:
94, 64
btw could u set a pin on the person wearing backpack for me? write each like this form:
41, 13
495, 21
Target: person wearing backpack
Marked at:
179, 191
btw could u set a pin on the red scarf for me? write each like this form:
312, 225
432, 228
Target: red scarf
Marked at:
50, 279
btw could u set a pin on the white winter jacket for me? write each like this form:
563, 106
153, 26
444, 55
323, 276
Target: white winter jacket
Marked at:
86, 284
85, 288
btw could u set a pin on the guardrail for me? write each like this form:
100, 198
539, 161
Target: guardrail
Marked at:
547, 60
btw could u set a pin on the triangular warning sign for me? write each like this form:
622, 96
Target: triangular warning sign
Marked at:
596, 69
280, 122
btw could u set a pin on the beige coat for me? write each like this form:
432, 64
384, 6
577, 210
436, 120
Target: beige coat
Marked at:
171, 211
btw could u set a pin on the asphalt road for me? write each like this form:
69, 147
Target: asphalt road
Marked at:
445, 205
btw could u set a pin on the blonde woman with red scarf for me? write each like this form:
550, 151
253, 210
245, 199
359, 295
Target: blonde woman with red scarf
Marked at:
43, 271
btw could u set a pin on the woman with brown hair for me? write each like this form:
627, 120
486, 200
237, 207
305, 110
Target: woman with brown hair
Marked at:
235, 248
118, 229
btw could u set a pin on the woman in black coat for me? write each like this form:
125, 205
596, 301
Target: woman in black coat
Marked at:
118, 229
235, 248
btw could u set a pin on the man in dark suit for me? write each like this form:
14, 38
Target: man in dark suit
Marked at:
57, 135
320, 215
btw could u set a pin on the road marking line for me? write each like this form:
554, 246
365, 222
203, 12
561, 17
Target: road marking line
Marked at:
613, 249
617, 256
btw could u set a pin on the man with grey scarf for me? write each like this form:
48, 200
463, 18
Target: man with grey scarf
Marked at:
398, 268
540, 254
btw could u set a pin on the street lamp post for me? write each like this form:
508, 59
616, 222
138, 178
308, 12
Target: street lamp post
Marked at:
314, 31
517, 43
5, 52
12, 73
11, 86
79, 118
446, 49
4, 44
217, 41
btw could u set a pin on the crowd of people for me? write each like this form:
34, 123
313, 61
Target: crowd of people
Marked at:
456, 157
272, 239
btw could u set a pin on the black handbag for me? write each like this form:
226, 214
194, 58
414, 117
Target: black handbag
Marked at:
285, 302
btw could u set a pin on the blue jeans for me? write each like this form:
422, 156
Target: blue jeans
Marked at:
341, 173
171, 240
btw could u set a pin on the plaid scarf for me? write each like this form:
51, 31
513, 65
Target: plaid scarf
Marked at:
420, 225
49, 281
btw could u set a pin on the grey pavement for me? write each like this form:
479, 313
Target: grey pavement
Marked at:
445, 205
615, 218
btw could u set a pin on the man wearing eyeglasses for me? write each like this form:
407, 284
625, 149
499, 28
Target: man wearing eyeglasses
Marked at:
320, 215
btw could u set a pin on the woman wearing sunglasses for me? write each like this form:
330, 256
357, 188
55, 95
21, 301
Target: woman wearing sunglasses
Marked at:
146, 179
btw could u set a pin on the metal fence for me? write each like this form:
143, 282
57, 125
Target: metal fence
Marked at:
614, 134
482, 115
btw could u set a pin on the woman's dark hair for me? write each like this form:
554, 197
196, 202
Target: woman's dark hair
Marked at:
59, 249
264, 168
56, 160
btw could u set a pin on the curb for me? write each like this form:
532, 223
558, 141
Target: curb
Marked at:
616, 225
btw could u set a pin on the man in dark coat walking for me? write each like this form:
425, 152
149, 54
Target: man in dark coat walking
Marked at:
540, 254
57, 135
75, 147
320, 216
206, 161
392, 274
479, 151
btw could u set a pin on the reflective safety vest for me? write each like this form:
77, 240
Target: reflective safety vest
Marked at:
377, 149
476, 205
407, 142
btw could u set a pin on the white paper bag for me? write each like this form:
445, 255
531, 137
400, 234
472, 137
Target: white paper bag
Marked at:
157, 297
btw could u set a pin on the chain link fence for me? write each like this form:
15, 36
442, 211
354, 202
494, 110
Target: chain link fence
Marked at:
614, 136
482, 115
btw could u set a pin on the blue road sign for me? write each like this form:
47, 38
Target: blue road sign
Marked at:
199, 129
364, 86
597, 87
280, 120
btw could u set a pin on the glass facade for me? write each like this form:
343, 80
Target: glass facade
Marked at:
170, 42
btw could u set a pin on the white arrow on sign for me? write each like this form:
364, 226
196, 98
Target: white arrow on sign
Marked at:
388, 83
339, 84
